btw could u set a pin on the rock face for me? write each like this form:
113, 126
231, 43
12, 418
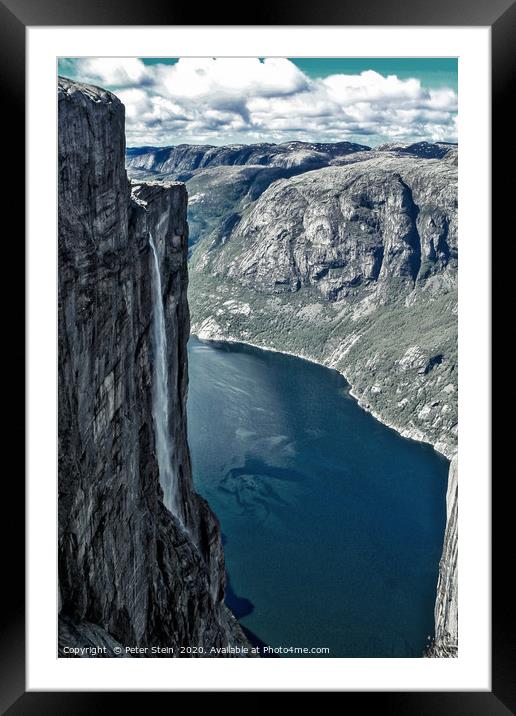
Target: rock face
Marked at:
343, 229
446, 612
130, 571
354, 266
223, 181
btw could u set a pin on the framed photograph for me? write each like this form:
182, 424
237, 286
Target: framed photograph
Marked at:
258, 264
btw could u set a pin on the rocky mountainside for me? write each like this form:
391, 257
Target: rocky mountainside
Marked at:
446, 606
223, 182
426, 150
354, 266
131, 571
188, 157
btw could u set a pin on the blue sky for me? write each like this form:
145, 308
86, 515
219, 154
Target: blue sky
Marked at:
245, 100
433, 72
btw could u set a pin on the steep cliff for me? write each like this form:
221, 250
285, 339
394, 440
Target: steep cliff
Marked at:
446, 606
131, 571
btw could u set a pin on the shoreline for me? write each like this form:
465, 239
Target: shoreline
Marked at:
447, 574
404, 432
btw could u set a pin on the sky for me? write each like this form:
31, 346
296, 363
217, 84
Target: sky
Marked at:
218, 101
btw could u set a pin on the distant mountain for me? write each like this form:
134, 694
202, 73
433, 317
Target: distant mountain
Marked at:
425, 150
135, 151
187, 157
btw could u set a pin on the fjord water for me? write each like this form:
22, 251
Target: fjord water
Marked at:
333, 523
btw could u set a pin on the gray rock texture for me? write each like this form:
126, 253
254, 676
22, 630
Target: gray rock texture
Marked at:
223, 181
354, 266
187, 157
371, 225
130, 572
446, 606
84, 641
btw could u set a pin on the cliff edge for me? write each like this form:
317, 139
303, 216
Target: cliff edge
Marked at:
446, 605
131, 571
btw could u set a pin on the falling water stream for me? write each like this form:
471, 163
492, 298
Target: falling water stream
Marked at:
160, 391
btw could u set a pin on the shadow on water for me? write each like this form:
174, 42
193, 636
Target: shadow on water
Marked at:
241, 607
254, 487
256, 466
259, 644
334, 523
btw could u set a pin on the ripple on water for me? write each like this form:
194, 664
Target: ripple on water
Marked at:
333, 523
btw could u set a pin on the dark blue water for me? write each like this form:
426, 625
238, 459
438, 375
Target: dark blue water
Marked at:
333, 523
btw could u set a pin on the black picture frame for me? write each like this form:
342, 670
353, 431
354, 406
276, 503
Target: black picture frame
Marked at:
15, 16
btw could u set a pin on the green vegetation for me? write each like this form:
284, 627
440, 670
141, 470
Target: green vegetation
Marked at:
370, 350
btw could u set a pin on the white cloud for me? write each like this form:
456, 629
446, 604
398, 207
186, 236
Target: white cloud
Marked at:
137, 103
119, 71
245, 77
370, 86
219, 101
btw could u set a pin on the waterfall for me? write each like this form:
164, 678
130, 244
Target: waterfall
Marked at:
160, 391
